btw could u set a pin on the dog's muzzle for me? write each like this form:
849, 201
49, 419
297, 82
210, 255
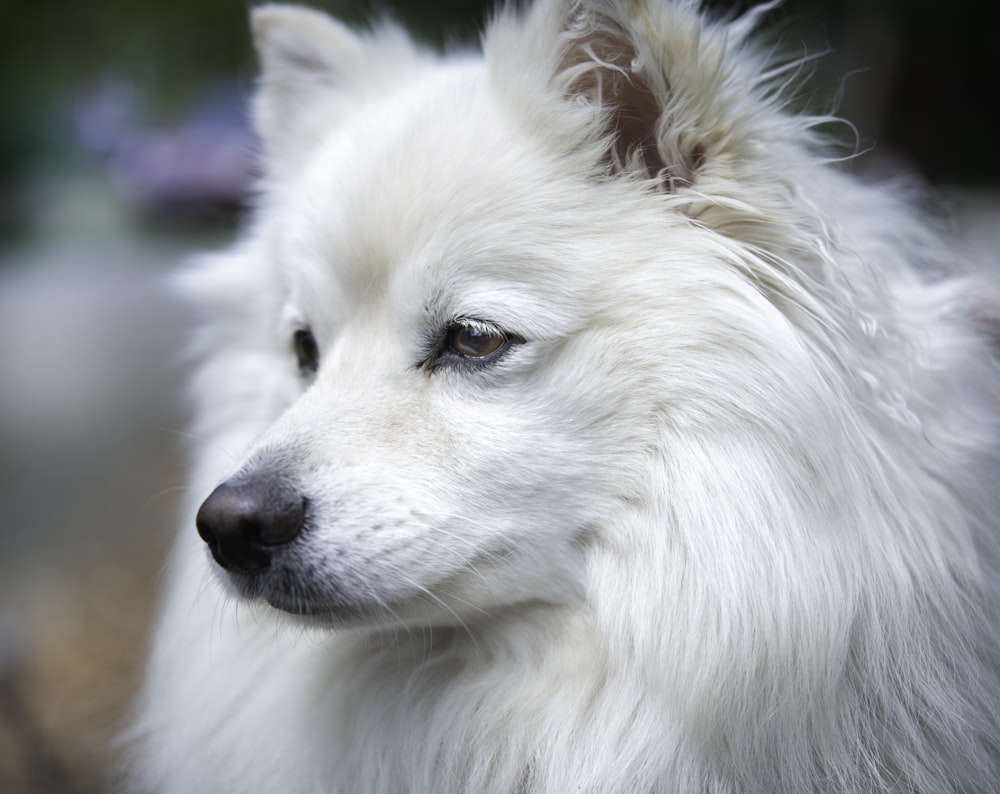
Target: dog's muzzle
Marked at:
245, 521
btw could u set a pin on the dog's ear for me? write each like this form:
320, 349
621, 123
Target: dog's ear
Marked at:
306, 58
601, 63
316, 70
665, 78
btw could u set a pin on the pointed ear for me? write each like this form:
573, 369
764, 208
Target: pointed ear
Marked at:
601, 64
308, 62
663, 75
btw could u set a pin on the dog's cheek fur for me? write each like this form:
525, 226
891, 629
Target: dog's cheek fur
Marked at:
752, 455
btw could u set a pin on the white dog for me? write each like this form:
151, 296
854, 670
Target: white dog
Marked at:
580, 428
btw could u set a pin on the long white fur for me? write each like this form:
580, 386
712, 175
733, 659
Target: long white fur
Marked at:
722, 524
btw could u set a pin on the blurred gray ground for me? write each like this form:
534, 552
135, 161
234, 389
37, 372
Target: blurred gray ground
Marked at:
91, 441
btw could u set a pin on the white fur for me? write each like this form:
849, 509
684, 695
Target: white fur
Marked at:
718, 525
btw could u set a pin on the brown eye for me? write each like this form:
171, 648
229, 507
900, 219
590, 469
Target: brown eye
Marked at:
306, 351
475, 341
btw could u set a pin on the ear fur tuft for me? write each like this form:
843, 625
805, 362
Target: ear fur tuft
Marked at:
663, 75
602, 64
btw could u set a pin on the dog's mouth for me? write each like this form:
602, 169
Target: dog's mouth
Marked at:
310, 608
323, 605
324, 612
293, 597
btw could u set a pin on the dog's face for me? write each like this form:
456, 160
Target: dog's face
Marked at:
450, 448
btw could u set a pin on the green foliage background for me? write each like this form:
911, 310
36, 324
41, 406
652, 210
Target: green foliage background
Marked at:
940, 61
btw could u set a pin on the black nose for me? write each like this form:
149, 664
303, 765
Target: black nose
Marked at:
243, 521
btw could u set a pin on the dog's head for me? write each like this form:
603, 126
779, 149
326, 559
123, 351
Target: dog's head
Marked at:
517, 300
493, 291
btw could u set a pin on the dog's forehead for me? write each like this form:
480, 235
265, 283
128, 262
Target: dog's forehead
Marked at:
437, 185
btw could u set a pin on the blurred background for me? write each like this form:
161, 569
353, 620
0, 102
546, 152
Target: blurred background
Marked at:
124, 147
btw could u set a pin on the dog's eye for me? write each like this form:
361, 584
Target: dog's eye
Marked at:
475, 341
469, 343
306, 350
